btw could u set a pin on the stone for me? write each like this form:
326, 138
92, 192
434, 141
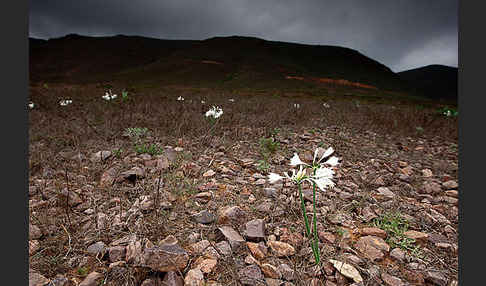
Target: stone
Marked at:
347, 270
417, 235
209, 173
34, 246
353, 259
131, 175
92, 279
451, 184
293, 238
287, 272
204, 217
206, 265
170, 239
36, 279
270, 271
255, 230
270, 192
251, 260
133, 252
281, 249
372, 247
436, 277
108, 178
398, 255
203, 197
97, 248
407, 171
251, 275
232, 236
194, 277
153, 281
368, 214
164, 258
430, 188
384, 192
412, 276
258, 250
373, 231
427, 173
116, 253
100, 156
273, 282
327, 236
391, 280
72, 198
59, 280
231, 215
171, 278
224, 248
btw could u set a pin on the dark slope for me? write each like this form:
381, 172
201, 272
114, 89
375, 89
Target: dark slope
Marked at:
433, 81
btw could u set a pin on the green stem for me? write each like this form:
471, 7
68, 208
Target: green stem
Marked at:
316, 239
307, 228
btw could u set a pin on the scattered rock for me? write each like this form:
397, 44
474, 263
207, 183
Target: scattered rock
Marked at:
34, 232
34, 246
391, 280
206, 264
287, 272
427, 173
372, 247
255, 230
451, 184
347, 270
97, 248
231, 215
116, 253
209, 173
430, 188
270, 271
385, 193
417, 235
398, 254
164, 258
204, 217
373, 231
100, 156
194, 277
281, 249
232, 236
171, 278
36, 279
258, 250
251, 275
436, 277
92, 279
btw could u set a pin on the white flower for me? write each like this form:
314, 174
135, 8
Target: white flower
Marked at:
231, 100
296, 105
273, 177
31, 105
215, 112
180, 98
109, 96
203, 102
65, 102
295, 161
326, 105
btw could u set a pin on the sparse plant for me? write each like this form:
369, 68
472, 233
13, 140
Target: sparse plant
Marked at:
117, 152
448, 112
320, 177
268, 145
136, 133
263, 164
151, 149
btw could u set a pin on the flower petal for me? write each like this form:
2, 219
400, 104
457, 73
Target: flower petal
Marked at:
333, 161
295, 161
273, 177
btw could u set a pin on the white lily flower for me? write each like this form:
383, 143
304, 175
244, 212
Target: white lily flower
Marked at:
273, 177
296, 105
31, 105
65, 102
180, 98
231, 100
326, 105
333, 161
295, 161
203, 102
214, 111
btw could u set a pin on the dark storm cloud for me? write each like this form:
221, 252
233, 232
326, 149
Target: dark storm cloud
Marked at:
401, 34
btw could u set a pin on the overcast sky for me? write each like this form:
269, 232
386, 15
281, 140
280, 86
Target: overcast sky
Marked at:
401, 34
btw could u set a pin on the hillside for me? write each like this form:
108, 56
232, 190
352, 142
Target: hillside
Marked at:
232, 61
433, 81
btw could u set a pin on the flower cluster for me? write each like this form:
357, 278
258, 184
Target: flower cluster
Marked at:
214, 112
296, 105
320, 175
109, 96
65, 102
180, 98
326, 105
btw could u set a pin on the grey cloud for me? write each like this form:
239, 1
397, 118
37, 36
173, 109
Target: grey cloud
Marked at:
398, 33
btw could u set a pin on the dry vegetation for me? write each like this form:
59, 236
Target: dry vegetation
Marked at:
371, 138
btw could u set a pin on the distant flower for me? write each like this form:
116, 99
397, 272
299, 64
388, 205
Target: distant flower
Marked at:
326, 105
65, 102
214, 112
180, 98
109, 96
296, 105
31, 105
203, 102
231, 100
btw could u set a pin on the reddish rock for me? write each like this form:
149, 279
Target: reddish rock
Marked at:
281, 249
372, 247
374, 231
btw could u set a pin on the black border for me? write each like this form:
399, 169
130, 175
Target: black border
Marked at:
14, 117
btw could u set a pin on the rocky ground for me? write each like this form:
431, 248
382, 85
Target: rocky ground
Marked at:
189, 203
210, 217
